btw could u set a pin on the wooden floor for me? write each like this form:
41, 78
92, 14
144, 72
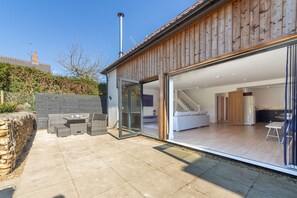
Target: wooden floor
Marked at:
244, 141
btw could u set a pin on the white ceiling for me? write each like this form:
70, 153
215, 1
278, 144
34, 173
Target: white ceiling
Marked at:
152, 85
259, 67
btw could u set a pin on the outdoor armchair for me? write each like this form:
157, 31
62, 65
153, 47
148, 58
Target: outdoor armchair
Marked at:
97, 124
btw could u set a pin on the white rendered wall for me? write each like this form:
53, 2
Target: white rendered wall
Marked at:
269, 98
113, 115
149, 110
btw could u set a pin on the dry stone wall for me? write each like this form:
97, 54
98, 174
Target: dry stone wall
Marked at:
15, 130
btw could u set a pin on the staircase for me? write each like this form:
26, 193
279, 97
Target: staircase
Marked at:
184, 102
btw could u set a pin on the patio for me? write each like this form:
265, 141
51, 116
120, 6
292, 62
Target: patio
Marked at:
102, 166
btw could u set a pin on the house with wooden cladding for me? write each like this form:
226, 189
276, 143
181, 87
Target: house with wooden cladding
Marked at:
153, 86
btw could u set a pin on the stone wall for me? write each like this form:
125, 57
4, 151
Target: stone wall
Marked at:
15, 130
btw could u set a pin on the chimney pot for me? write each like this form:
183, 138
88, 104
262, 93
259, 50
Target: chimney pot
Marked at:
121, 16
34, 58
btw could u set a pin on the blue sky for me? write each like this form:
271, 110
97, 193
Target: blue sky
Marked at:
51, 26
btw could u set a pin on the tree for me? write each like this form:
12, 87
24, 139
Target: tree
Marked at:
80, 65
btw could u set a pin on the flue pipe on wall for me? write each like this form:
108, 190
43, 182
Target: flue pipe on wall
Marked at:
121, 16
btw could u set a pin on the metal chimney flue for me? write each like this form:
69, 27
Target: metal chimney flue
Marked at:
121, 16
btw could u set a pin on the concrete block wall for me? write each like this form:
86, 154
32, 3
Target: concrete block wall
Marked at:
66, 103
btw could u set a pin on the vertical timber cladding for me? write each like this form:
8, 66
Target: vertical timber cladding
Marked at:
237, 25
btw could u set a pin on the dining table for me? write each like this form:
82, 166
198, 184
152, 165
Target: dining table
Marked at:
77, 124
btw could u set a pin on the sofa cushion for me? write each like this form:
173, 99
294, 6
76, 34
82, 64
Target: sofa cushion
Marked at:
182, 113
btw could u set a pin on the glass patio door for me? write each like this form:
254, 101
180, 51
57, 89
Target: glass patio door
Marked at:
130, 108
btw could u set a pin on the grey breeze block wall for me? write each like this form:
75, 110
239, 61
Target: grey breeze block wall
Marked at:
66, 103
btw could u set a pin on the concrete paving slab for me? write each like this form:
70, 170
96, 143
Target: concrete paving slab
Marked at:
217, 186
85, 167
145, 141
79, 156
236, 174
189, 192
274, 186
173, 151
153, 157
98, 182
65, 189
122, 191
129, 167
182, 171
124, 145
42, 179
200, 162
109, 153
157, 184
253, 193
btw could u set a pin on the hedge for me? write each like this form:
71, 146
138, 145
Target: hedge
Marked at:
30, 80
27, 81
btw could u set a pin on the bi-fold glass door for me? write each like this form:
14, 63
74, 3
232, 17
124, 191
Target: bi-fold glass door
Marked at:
130, 108
290, 124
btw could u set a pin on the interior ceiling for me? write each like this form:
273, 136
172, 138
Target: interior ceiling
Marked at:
152, 85
259, 67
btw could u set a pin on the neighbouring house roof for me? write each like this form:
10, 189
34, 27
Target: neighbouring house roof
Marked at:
20, 62
167, 28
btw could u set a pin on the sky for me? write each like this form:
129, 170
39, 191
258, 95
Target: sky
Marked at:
50, 27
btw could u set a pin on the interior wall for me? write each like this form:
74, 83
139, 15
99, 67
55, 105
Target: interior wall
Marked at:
207, 96
147, 111
112, 98
269, 98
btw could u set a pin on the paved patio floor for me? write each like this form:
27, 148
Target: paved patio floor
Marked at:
101, 166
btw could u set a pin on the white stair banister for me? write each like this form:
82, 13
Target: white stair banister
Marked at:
188, 101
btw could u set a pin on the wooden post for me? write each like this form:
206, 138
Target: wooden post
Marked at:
1, 97
161, 107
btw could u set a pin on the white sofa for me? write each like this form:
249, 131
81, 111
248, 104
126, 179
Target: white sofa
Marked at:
189, 120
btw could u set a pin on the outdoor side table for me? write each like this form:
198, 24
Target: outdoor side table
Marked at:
77, 124
62, 131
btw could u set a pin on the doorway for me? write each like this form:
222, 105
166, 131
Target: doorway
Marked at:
222, 107
150, 101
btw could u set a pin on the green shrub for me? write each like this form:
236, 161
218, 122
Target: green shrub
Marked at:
28, 80
27, 101
21, 83
7, 108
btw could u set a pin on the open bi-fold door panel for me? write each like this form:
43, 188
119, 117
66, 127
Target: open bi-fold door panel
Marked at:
130, 108
235, 107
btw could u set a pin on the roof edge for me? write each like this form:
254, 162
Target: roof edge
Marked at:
19, 59
175, 23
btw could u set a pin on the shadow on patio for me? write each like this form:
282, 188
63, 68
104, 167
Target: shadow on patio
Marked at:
218, 177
